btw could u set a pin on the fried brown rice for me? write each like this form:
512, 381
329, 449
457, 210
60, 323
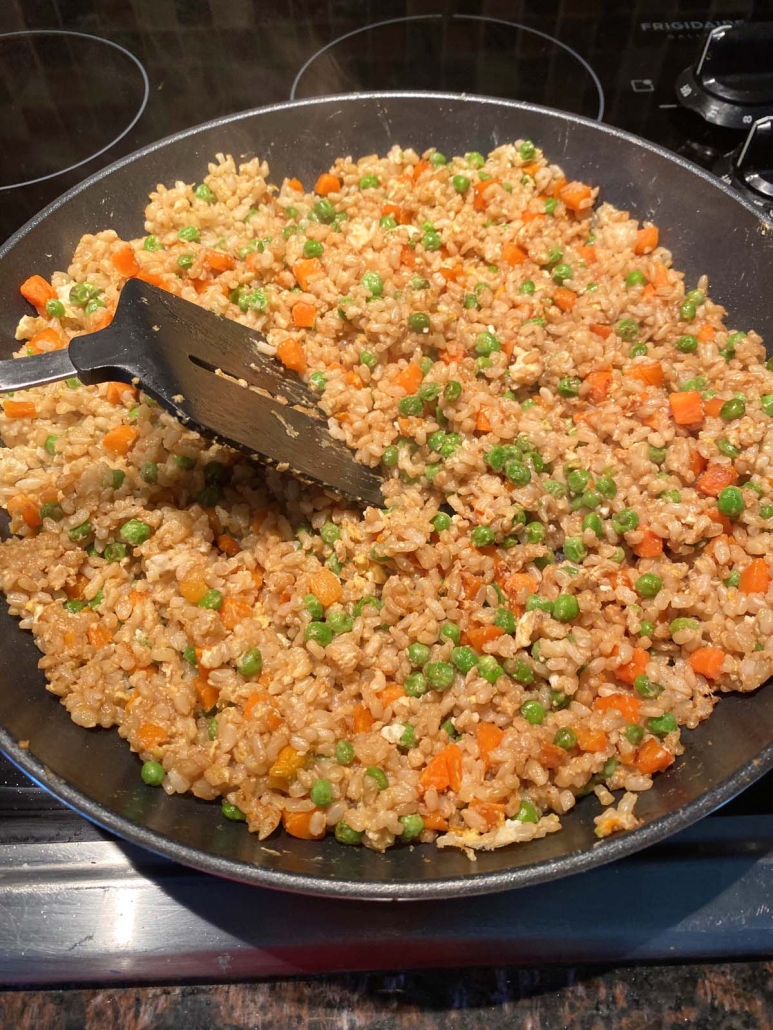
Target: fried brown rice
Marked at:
573, 554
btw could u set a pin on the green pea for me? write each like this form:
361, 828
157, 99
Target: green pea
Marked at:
732, 409
687, 344
637, 350
627, 329
440, 675
321, 793
644, 687
340, 622
388, 222
189, 234
73, 606
212, 729
251, 663
527, 151
728, 449
429, 392
489, 668
766, 402
441, 522
344, 752
373, 282
203, 192
554, 488
189, 654
648, 585
411, 405
550, 205
548, 558
320, 632
408, 738
368, 182
80, 532
517, 473
593, 522
730, 502
324, 211
461, 183
81, 293
577, 480
73, 383
569, 386
51, 510
415, 684
114, 552
533, 712
607, 487
413, 827
520, 670
609, 768
687, 310
766, 511
672, 496
314, 607
464, 659
475, 159
698, 383
636, 278
135, 532
505, 620
378, 776
152, 773
482, 536
697, 297
93, 305
624, 521
432, 240
419, 322
344, 834
535, 532
318, 381
733, 579
527, 813
634, 734
213, 600
565, 738
574, 549
450, 631
330, 533
677, 625
470, 301
231, 812
390, 456
418, 654
561, 273
565, 608
647, 628
486, 343
541, 604
663, 725
313, 249
369, 601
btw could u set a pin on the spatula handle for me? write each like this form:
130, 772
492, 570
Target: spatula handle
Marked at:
21, 373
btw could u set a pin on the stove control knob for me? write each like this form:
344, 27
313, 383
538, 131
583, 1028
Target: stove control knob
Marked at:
732, 83
752, 165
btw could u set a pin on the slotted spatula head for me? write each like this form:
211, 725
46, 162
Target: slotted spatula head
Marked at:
210, 373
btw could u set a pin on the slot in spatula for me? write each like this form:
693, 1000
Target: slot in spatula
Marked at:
209, 373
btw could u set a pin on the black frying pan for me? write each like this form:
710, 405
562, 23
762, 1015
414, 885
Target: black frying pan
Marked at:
708, 228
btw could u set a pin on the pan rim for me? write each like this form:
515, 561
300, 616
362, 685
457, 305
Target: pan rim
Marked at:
604, 851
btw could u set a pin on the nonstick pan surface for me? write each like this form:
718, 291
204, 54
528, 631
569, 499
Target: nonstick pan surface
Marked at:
709, 229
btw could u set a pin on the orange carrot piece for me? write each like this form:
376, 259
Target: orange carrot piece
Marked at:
362, 719
114, 391
47, 339
38, 292
648, 291
532, 168
291, 353
650, 373
217, 261
489, 738
392, 693
303, 315
588, 254
193, 586
551, 755
604, 331
99, 636
478, 636
21, 505
298, 824
659, 273
326, 587
150, 735
287, 763
706, 332
708, 662
576, 196
716, 477
650, 545
452, 274
408, 256
482, 422
453, 755
755, 578
252, 702
518, 584
686, 407
646, 240
409, 379
599, 383
628, 705
558, 185
479, 189
589, 739
228, 545
124, 261
435, 821
652, 757
156, 280
233, 611
306, 270
512, 254
564, 298
19, 409
327, 183
628, 672
420, 167
120, 439
295, 184
713, 406
531, 216
206, 693
491, 811
727, 526
435, 773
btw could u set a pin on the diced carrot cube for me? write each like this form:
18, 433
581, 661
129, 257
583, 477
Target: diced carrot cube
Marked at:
489, 737
652, 757
628, 672
686, 407
327, 183
304, 315
19, 409
150, 736
362, 719
628, 705
326, 587
512, 254
716, 477
291, 353
38, 292
233, 611
708, 662
564, 298
120, 439
755, 578
646, 240
298, 824
125, 261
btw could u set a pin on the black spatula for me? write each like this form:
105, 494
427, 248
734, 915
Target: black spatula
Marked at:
209, 373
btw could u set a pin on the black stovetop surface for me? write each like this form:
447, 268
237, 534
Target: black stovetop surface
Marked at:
72, 103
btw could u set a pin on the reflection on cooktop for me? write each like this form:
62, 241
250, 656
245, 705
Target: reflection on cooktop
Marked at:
76, 96
461, 53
